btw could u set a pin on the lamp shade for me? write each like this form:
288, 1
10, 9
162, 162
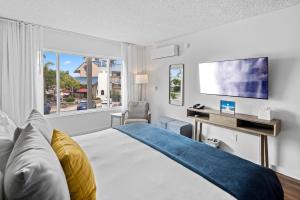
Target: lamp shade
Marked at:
141, 78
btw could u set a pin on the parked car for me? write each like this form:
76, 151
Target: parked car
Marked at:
47, 108
83, 105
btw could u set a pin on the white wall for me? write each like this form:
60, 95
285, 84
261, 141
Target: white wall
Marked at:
80, 44
69, 42
275, 35
83, 123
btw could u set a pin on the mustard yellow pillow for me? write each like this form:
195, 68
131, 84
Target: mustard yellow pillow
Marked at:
77, 168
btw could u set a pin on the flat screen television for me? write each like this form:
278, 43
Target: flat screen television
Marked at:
239, 78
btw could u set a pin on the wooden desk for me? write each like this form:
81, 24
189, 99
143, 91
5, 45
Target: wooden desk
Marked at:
240, 122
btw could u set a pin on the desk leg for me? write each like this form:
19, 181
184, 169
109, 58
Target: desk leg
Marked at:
111, 121
262, 150
200, 132
195, 133
266, 152
264, 159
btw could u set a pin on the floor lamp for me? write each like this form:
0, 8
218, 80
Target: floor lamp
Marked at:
141, 79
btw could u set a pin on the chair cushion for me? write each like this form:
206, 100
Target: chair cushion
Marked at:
77, 168
130, 121
40, 123
33, 171
138, 110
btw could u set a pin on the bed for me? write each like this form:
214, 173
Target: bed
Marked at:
130, 163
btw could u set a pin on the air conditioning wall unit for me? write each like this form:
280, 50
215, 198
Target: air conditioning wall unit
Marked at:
164, 52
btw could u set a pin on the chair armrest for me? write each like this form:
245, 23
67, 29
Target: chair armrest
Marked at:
149, 117
124, 114
124, 111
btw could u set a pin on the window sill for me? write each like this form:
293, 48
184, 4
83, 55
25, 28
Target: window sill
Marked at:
82, 112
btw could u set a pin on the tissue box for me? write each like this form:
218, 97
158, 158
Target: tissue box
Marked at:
265, 114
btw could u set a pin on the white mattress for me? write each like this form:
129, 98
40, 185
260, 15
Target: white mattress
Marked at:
127, 169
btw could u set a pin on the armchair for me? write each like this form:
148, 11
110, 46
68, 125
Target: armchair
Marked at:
138, 112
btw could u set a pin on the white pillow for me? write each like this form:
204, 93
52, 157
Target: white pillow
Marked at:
7, 126
33, 171
6, 146
40, 123
1, 186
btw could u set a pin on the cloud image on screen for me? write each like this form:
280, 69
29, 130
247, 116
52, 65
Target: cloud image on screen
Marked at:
242, 78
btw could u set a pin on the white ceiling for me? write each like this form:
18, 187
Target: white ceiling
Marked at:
136, 21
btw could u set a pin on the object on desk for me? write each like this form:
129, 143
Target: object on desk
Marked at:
198, 106
212, 142
265, 113
227, 107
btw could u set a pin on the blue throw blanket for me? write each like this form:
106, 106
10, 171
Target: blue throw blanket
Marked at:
240, 178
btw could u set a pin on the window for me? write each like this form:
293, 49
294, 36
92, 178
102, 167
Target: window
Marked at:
50, 66
115, 82
73, 82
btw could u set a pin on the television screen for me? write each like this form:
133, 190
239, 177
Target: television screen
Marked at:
240, 78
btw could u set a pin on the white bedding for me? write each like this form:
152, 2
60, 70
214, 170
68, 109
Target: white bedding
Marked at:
127, 169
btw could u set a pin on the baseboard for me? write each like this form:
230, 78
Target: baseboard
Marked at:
291, 173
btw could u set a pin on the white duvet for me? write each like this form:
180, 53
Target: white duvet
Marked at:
127, 169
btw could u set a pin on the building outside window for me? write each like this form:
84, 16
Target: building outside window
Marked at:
73, 82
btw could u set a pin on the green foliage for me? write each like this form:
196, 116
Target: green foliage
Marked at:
173, 95
175, 89
70, 99
176, 81
49, 76
175, 86
67, 81
115, 96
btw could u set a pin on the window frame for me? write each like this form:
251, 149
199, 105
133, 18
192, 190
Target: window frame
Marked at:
58, 113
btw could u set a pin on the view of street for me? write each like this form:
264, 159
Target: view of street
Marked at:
105, 80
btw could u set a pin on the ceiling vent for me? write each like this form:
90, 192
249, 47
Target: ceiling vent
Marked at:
164, 52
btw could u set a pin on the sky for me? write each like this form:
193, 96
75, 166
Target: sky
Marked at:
68, 62
175, 72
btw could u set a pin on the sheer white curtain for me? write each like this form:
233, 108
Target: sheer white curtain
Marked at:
134, 57
21, 79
